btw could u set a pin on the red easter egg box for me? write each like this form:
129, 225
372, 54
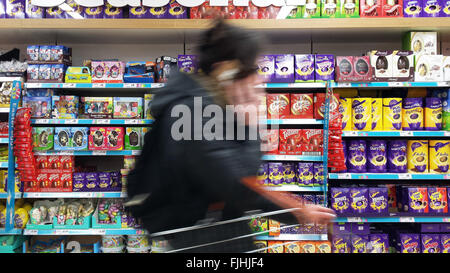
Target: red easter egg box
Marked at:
278, 106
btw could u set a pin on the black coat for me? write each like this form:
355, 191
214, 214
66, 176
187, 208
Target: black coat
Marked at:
185, 177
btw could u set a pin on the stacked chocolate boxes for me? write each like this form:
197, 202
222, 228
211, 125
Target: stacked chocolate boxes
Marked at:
300, 174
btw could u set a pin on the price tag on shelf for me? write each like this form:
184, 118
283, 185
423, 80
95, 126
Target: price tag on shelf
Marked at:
98, 231
446, 220
395, 84
98, 152
406, 219
344, 176
136, 152
158, 85
62, 232
65, 153
99, 85
30, 232
354, 220
85, 195
130, 85
70, 85
404, 176
132, 121
345, 84
442, 84
351, 133
446, 133
71, 121
406, 133
42, 121
102, 121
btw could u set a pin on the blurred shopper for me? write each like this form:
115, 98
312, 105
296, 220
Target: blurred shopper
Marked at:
178, 183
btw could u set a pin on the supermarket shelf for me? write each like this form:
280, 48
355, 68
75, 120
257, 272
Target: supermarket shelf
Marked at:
292, 85
93, 121
4, 110
17, 195
95, 85
294, 188
299, 85
388, 176
74, 195
396, 133
294, 237
91, 231
292, 158
292, 121
89, 153
394, 219
4, 140
11, 232
261, 24
388, 84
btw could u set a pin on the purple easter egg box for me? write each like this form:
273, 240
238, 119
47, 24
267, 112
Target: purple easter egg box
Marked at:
263, 174
412, 8
305, 174
357, 157
33, 12
412, 114
290, 177
111, 12
266, 67
304, 68
284, 68
432, 8
94, 12
319, 177
187, 64
378, 201
79, 182
379, 243
397, 160
409, 243
15, 9
324, 67
340, 200
342, 243
359, 200
276, 174
377, 156
92, 181
430, 243
360, 243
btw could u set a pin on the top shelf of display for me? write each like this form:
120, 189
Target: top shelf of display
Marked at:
441, 23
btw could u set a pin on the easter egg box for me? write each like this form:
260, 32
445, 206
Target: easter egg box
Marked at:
96, 224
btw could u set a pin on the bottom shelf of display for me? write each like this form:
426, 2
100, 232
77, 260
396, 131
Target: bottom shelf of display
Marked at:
294, 237
92, 231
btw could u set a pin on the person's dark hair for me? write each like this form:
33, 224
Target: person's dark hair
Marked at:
224, 42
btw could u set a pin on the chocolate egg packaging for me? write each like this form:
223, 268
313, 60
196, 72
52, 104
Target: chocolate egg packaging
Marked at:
412, 113
377, 156
392, 114
439, 155
127, 107
331, 8
43, 138
304, 68
421, 43
362, 114
403, 65
392, 8
382, 65
396, 155
349, 9
429, 68
432, 8
417, 154
188, 64
412, 8
133, 138
266, 67
284, 68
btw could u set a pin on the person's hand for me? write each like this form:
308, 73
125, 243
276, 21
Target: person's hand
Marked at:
314, 214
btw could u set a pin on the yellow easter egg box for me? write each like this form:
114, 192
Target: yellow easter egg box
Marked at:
78, 74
